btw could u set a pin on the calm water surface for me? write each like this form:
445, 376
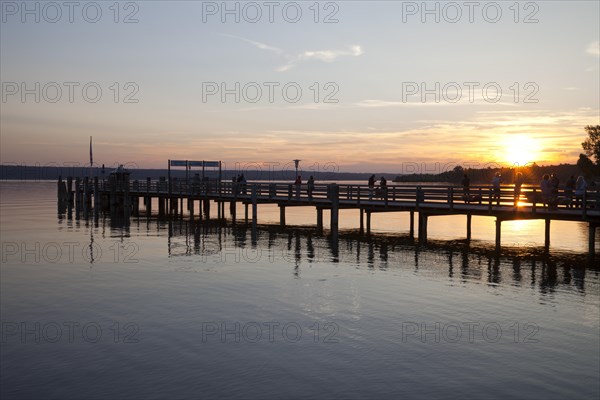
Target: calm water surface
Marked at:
176, 309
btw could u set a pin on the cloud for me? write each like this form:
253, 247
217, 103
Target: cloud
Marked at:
464, 100
327, 56
322, 55
256, 44
593, 49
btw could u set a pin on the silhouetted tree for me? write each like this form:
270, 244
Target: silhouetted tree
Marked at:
586, 166
591, 145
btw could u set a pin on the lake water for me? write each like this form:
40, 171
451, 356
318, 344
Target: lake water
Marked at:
178, 309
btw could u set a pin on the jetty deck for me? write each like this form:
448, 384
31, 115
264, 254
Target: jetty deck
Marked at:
123, 196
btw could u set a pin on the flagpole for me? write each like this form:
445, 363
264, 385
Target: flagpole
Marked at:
91, 158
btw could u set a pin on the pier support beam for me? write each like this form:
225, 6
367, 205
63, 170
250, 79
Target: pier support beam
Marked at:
282, 215
547, 236
246, 212
70, 190
362, 224
207, 208
334, 194
77, 195
411, 231
135, 205
468, 227
592, 239
368, 222
254, 208
148, 204
86, 190
498, 233
126, 198
96, 196
190, 205
319, 219
161, 206
423, 227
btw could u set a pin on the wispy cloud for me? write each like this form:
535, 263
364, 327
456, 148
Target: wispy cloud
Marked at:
374, 103
593, 49
256, 44
327, 56
322, 55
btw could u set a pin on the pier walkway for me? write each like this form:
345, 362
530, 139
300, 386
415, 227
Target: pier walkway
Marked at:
425, 200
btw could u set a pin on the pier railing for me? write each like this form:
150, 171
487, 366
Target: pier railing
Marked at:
530, 197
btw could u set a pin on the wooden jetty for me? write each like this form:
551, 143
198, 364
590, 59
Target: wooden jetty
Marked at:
121, 196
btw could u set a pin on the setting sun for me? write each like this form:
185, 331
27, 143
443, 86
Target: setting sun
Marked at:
521, 150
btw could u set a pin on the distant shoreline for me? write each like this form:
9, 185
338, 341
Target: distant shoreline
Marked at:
477, 176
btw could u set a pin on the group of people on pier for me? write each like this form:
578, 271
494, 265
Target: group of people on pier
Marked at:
549, 188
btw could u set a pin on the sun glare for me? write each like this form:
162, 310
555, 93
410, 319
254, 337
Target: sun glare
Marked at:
520, 150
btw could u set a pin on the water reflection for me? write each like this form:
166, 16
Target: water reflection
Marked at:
462, 262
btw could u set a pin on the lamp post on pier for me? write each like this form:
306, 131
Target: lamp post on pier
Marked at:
296, 164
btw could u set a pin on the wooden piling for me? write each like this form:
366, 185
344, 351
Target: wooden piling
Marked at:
77, 195
282, 215
335, 207
190, 205
254, 207
423, 227
498, 233
161, 206
126, 198
319, 219
469, 227
70, 190
547, 235
206, 207
96, 196
362, 224
592, 240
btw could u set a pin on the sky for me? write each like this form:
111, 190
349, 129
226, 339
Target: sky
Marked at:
359, 85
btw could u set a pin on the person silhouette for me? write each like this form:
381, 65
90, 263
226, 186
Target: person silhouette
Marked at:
371, 186
496, 181
466, 184
310, 186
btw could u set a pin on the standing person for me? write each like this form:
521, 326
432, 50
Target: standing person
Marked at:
554, 182
547, 192
383, 187
243, 184
580, 187
298, 184
496, 181
371, 186
235, 185
569, 188
518, 184
383, 183
310, 186
466, 183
